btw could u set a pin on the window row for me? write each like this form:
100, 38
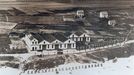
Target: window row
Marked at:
57, 46
81, 39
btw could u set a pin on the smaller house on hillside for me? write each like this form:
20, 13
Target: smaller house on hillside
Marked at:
104, 14
112, 22
80, 13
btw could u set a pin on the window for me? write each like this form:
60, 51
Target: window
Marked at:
48, 46
35, 42
32, 42
73, 45
72, 35
87, 38
76, 39
84, 35
56, 41
69, 41
44, 42
32, 48
80, 38
52, 46
40, 46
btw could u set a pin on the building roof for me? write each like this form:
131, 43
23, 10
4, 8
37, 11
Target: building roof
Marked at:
67, 34
78, 33
14, 33
52, 37
60, 36
36, 36
48, 37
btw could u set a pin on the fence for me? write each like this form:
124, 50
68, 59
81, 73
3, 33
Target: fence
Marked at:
71, 68
72, 51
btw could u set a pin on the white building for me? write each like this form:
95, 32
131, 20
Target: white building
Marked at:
78, 36
54, 41
80, 13
104, 14
36, 41
66, 42
112, 22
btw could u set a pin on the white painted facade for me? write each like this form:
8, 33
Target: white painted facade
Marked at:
82, 37
80, 13
33, 44
69, 44
104, 14
112, 22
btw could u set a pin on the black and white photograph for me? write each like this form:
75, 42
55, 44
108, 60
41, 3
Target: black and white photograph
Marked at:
66, 37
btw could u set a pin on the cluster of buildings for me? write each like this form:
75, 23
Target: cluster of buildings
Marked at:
104, 15
54, 41
59, 41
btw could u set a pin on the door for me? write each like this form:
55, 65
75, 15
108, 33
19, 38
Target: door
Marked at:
57, 46
69, 46
84, 39
44, 47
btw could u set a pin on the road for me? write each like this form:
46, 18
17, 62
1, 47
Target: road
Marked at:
24, 57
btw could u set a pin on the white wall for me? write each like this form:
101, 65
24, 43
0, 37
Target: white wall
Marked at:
104, 14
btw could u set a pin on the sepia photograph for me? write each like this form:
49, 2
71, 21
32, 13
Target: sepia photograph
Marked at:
66, 37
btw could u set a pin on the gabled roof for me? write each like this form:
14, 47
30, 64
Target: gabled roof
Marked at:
48, 37
14, 33
67, 34
60, 36
52, 37
36, 36
30, 36
78, 33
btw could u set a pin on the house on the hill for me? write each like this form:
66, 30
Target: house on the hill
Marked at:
104, 14
112, 22
80, 13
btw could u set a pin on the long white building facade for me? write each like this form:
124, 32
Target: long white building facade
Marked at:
54, 41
